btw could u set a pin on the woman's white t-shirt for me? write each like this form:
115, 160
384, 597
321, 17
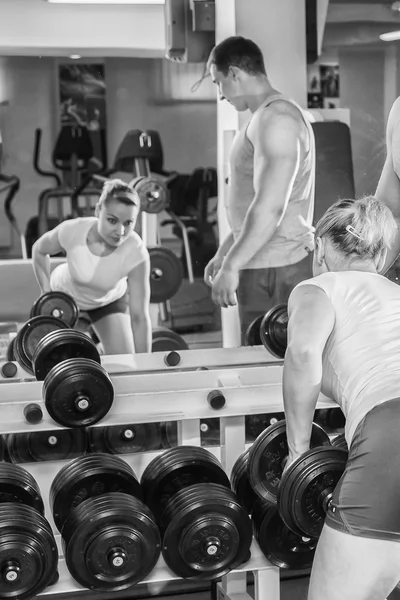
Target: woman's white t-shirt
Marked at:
94, 281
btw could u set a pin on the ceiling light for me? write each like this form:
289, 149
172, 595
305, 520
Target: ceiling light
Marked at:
106, 1
75, 56
391, 36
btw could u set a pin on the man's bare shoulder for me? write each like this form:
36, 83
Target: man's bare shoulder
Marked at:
280, 114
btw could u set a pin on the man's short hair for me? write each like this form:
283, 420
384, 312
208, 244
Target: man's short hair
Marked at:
240, 52
116, 189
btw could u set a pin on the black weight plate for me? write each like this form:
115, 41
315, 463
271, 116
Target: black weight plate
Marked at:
37, 446
166, 274
273, 330
28, 553
306, 488
207, 533
97, 442
255, 424
240, 483
18, 486
340, 442
166, 340
152, 193
267, 457
252, 336
87, 477
10, 355
78, 392
278, 543
125, 439
61, 345
176, 469
169, 434
111, 542
57, 304
30, 335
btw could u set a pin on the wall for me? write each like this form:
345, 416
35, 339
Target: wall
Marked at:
188, 130
362, 91
35, 27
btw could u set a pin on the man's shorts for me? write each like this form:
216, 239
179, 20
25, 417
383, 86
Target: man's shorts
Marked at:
366, 500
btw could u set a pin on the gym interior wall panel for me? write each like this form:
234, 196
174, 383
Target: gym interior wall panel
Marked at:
362, 91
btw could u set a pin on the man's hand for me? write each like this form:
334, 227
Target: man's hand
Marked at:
212, 269
224, 287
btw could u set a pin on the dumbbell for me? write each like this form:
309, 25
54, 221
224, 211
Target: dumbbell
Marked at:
167, 340
76, 389
125, 439
268, 455
56, 304
255, 424
166, 274
110, 539
340, 442
37, 446
205, 531
270, 330
306, 489
28, 550
278, 543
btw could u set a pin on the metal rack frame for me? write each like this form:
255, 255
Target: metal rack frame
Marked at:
147, 390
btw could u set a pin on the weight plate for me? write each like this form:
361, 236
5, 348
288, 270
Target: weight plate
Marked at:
255, 424
165, 340
307, 487
37, 446
273, 330
241, 484
166, 274
57, 304
28, 553
152, 193
176, 469
340, 442
126, 439
207, 533
278, 543
78, 392
253, 336
111, 542
10, 355
169, 434
87, 477
61, 345
30, 335
18, 486
267, 458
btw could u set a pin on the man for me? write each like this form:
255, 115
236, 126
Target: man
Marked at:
388, 190
271, 201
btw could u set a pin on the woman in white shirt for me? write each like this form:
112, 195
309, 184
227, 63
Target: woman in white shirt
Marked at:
107, 269
344, 340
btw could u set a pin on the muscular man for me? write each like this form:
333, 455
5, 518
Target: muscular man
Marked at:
388, 190
271, 198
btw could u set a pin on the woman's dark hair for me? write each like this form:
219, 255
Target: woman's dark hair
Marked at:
237, 51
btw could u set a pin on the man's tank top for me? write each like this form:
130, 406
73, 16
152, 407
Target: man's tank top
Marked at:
361, 360
94, 281
287, 245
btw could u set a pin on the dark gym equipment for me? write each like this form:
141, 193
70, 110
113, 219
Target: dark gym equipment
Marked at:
306, 489
273, 330
166, 274
255, 424
165, 340
110, 539
280, 545
61, 345
268, 455
78, 392
331, 419
57, 304
205, 531
27, 339
253, 335
125, 439
152, 193
340, 442
37, 446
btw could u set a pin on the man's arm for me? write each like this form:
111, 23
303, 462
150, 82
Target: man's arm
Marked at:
311, 320
139, 305
276, 141
388, 190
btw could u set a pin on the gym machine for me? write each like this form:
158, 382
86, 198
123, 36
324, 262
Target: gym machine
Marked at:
10, 185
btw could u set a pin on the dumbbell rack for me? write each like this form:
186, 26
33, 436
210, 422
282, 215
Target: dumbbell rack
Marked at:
148, 390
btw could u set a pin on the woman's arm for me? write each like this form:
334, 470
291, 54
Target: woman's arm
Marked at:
139, 306
311, 320
45, 246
